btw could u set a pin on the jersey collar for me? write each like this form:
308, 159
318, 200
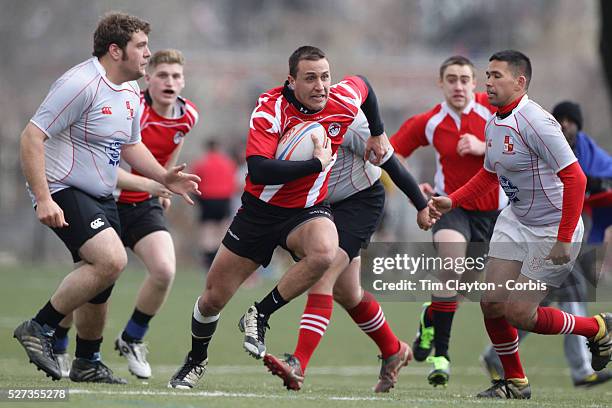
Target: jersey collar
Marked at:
449, 111
290, 96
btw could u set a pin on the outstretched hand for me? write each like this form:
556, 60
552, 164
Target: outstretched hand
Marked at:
424, 221
182, 183
438, 206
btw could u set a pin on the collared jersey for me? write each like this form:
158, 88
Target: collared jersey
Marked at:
442, 128
161, 136
87, 120
274, 115
526, 150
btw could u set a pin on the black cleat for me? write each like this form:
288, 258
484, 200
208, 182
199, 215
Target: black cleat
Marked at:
506, 389
596, 378
84, 370
38, 345
254, 324
189, 374
422, 345
601, 344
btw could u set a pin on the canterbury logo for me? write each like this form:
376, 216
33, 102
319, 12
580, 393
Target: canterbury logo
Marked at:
106, 110
97, 223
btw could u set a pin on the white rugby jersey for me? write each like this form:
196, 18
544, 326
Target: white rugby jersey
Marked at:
526, 150
87, 120
351, 174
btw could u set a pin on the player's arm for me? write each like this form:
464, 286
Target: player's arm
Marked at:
267, 171
140, 158
481, 184
32, 154
375, 144
134, 182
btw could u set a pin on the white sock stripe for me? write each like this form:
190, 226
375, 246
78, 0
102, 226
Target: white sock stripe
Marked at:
375, 328
562, 331
381, 320
372, 320
571, 330
314, 329
505, 353
316, 317
498, 349
515, 341
200, 317
314, 323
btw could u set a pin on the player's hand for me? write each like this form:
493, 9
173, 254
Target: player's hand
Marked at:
322, 151
165, 202
50, 214
182, 183
376, 146
438, 206
424, 221
157, 190
470, 144
560, 253
426, 189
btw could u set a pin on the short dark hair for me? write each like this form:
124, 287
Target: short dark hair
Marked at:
305, 52
116, 28
456, 60
518, 62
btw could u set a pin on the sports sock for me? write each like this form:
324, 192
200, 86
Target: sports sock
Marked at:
271, 303
555, 321
371, 320
443, 311
49, 316
60, 340
88, 349
202, 330
136, 327
505, 342
313, 324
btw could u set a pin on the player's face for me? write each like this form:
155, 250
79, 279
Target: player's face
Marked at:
135, 56
570, 130
502, 86
311, 83
165, 82
458, 84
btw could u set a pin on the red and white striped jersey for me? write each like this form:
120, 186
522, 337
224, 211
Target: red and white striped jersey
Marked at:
161, 136
274, 115
442, 128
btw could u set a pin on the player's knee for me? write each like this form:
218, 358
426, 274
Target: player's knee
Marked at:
210, 305
111, 266
492, 309
163, 275
346, 298
518, 317
320, 259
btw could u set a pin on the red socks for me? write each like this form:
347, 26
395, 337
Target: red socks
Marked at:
505, 342
314, 322
370, 318
555, 321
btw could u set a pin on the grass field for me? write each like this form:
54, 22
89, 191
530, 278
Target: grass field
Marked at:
341, 373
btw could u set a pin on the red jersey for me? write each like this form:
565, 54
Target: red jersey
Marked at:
274, 115
218, 174
162, 136
442, 128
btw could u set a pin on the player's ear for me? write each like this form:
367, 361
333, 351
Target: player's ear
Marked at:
521, 81
115, 52
291, 81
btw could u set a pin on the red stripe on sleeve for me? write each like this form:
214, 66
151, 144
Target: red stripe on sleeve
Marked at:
574, 185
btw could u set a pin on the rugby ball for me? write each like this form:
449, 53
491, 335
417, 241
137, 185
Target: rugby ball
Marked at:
296, 143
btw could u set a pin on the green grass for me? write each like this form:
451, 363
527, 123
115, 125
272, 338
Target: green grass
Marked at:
341, 374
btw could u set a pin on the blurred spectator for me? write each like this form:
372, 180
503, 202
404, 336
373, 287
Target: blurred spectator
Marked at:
218, 173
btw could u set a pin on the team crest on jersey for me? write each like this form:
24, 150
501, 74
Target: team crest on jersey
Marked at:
509, 188
508, 145
178, 136
113, 151
130, 110
334, 129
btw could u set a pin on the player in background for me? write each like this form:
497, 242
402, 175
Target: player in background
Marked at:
536, 238
357, 200
70, 153
283, 202
455, 129
218, 172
